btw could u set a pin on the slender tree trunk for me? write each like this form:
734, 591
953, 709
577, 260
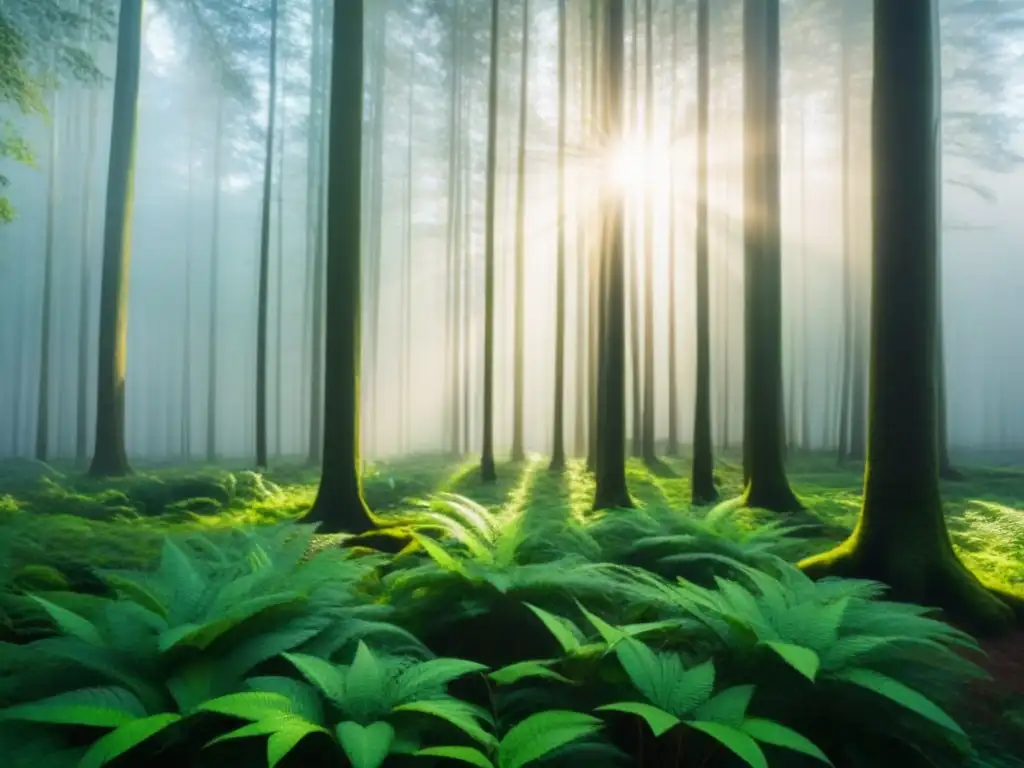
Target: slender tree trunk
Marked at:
519, 342
42, 451
702, 484
558, 442
85, 288
185, 446
902, 503
109, 456
632, 266
672, 448
339, 504
805, 368
407, 276
582, 272
648, 451
214, 357
846, 380
264, 269
487, 468
610, 475
595, 281
279, 299
764, 421
453, 300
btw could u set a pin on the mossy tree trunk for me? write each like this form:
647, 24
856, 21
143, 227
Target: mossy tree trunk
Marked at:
764, 432
339, 504
702, 484
558, 442
488, 470
901, 537
610, 470
109, 458
519, 329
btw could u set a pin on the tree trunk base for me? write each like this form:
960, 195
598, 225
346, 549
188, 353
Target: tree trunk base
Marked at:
775, 496
939, 580
701, 495
340, 510
950, 473
488, 471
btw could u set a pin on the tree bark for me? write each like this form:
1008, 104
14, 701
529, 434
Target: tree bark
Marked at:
558, 434
42, 452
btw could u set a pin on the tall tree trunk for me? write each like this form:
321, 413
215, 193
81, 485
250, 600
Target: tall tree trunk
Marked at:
453, 246
339, 504
846, 380
805, 368
279, 299
558, 442
185, 446
764, 433
109, 456
610, 474
488, 470
42, 452
213, 346
702, 484
597, 23
519, 352
405, 369
582, 380
632, 266
672, 448
468, 368
85, 288
901, 537
647, 448
264, 268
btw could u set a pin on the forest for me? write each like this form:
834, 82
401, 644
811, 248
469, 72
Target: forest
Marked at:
509, 383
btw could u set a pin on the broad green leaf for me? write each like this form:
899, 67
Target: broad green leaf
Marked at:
304, 698
96, 707
642, 666
689, 689
609, 634
284, 740
71, 623
364, 686
736, 741
249, 705
365, 746
430, 676
803, 660
543, 733
776, 734
135, 591
462, 754
126, 737
438, 554
728, 707
523, 670
899, 693
659, 720
321, 673
457, 713
559, 628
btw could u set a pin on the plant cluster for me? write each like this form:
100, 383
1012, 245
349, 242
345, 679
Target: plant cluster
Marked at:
496, 640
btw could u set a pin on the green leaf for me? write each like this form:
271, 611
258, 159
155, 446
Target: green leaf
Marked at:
523, 670
462, 754
560, 629
460, 714
285, 739
543, 733
659, 720
321, 673
126, 737
899, 693
364, 686
609, 634
736, 741
249, 705
95, 707
365, 746
728, 707
803, 660
135, 591
776, 734
642, 666
71, 623
305, 701
430, 676
438, 554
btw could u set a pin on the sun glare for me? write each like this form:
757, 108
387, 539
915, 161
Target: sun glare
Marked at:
636, 166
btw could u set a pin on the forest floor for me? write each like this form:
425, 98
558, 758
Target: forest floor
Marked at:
55, 517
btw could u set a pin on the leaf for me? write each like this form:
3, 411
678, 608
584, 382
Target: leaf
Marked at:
736, 741
305, 701
609, 634
543, 733
364, 686
899, 693
560, 629
321, 673
71, 623
803, 660
438, 554
135, 591
428, 676
249, 705
97, 707
642, 666
126, 737
462, 754
690, 689
728, 707
365, 746
659, 720
776, 734
460, 714
284, 740
523, 670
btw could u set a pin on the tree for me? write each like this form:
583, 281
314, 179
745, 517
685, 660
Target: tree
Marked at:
519, 342
901, 537
702, 485
647, 449
339, 504
109, 457
558, 444
264, 269
672, 447
610, 464
488, 471
763, 439
42, 452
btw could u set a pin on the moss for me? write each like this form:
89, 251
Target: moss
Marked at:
198, 506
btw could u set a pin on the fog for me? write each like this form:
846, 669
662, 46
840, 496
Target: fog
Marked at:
407, 384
